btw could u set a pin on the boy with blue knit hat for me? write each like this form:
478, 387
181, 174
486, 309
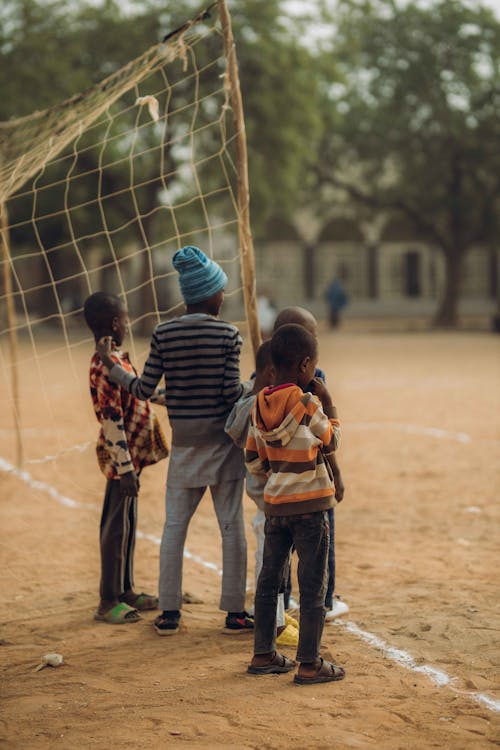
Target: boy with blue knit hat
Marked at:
198, 355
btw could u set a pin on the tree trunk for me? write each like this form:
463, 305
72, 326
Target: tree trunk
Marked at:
447, 313
308, 256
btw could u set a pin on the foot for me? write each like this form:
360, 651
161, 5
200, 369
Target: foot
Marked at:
318, 671
238, 622
337, 609
119, 614
142, 602
271, 663
168, 622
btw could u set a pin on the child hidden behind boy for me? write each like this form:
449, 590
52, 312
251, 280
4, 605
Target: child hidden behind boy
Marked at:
335, 606
130, 439
198, 355
291, 440
237, 425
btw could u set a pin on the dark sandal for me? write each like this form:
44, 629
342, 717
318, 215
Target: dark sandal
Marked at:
279, 664
326, 673
142, 601
167, 624
120, 614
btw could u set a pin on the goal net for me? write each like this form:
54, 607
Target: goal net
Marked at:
98, 193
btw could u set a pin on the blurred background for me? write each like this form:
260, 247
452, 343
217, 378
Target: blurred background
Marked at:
373, 143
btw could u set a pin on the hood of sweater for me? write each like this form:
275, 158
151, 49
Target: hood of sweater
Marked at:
278, 412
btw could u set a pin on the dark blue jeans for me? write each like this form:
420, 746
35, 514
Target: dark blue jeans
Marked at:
331, 561
331, 568
310, 535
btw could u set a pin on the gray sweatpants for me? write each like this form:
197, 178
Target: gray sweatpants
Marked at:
181, 503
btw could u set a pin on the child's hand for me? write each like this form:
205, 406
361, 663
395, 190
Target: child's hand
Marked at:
129, 485
104, 348
321, 391
159, 397
339, 486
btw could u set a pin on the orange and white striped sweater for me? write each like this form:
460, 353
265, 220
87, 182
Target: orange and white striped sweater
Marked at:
287, 434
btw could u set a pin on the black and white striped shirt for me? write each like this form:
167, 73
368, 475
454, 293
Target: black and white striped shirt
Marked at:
199, 357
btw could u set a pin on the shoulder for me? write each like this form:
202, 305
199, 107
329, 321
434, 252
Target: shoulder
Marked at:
226, 327
229, 334
165, 327
319, 373
310, 402
96, 366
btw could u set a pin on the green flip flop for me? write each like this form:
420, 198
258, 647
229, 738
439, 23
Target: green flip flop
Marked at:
120, 614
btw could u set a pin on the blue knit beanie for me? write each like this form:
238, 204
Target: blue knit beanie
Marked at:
199, 276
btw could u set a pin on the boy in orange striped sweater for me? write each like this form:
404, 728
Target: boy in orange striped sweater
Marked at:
291, 442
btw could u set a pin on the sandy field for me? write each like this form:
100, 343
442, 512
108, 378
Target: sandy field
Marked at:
417, 549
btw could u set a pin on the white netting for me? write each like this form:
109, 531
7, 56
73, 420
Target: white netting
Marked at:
97, 194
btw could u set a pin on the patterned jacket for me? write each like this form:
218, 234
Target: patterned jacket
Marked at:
288, 432
130, 435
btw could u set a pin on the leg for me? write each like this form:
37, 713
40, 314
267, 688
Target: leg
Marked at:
181, 503
335, 607
114, 542
139, 601
287, 590
128, 582
331, 561
258, 524
227, 498
276, 549
280, 611
311, 537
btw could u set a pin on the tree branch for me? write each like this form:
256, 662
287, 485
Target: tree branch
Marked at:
375, 202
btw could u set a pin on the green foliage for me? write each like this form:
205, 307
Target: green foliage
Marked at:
417, 115
52, 50
281, 96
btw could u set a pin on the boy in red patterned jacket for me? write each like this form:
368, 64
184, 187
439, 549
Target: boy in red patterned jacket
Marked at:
130, 439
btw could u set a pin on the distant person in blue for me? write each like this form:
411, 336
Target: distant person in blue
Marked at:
337, 299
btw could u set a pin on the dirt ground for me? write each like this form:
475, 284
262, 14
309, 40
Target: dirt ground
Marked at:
417, 549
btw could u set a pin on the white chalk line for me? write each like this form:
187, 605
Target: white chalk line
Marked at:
80, 448
406, 660
399, 656
409, 429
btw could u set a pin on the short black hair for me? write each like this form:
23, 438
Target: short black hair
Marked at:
298, 315
99, 310
263, 357
290, 344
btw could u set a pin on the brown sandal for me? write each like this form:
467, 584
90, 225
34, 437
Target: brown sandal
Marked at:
279, 664
143, 602
326, 673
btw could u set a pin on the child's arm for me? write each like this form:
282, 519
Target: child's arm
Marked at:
159, 397
326, 426
337, 476
113, 428
143, 387
254, 461
330, 441
231, 386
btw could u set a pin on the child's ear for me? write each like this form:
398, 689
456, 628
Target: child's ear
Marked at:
114, 324
304, 364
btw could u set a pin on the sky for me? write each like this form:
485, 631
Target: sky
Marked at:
300, 5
